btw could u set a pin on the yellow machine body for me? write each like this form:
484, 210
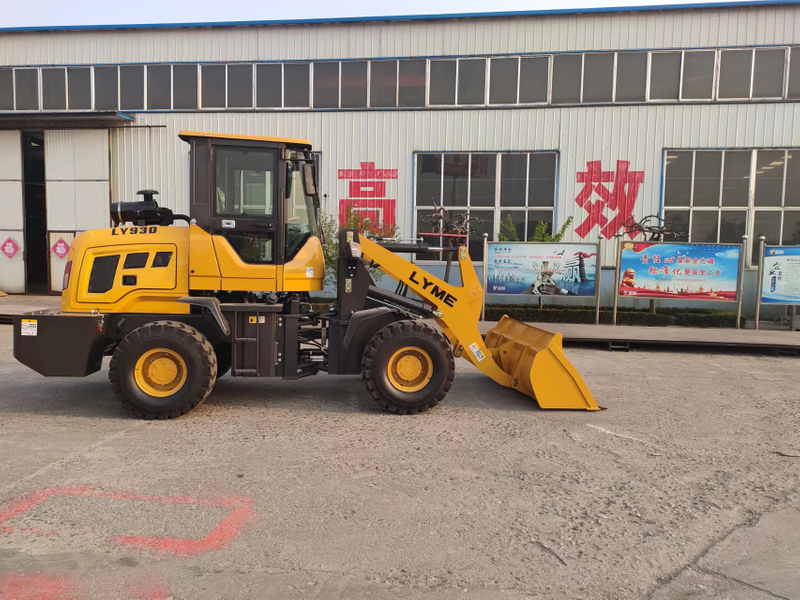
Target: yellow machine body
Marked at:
198, 262
513, 354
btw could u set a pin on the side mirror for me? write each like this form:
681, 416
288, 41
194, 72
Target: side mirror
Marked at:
309, 179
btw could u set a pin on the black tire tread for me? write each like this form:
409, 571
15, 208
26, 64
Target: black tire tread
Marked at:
207, 379
383, 336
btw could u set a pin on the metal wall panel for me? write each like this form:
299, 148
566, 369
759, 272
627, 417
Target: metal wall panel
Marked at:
76, 154
12, 270
638, 135
61, 205
10, 156
551, 33
11, 205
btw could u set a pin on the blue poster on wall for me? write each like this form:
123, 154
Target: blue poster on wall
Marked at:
679, 271
541, 269
781, 280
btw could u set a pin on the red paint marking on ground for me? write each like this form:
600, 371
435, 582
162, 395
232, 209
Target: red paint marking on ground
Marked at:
218, 538
36, 586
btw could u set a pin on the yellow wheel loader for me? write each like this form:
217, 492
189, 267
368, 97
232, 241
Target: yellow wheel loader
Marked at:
176, 307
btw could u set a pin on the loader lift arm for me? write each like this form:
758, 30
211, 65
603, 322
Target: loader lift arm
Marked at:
513, 354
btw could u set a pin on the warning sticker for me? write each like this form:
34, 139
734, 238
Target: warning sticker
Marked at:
309, 271
262, 320
29, 327
251, 319
476, 351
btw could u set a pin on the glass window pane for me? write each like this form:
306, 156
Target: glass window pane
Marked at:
631, 76
736, 182
533, 78
794, 74
733, 225
768, 73
768, 224
269, 85
769, 177
80, 87
424, 225
707, 168
542, 184
512, 226
535, 218
383, 83
484, 224
105, 88
483, 175
513, 179
704, 226
54, 89
131, 87
665, 75
503, 80
295, 85
443, 82
791, 228
412, 83
455, 179
213, 77
792, 178
354, 84
678, 180
567, 79
6, 89
245, 181
184, 86
598, 77
159, 87
677, 223
429, 180
698, 75
240, 86
734, 73
326, 85
26, 86
471, 81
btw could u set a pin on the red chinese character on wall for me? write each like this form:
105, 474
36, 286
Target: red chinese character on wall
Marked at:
367, 194
620, 198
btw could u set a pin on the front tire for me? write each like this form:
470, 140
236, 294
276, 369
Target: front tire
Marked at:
163, 370
408, 367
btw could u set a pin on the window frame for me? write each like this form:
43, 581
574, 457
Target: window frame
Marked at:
750, 209
496, 210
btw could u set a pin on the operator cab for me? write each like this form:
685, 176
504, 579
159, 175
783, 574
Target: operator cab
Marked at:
244, 187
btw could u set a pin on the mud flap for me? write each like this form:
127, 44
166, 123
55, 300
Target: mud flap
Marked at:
537, 365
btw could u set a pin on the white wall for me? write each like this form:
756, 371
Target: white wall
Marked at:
12, 271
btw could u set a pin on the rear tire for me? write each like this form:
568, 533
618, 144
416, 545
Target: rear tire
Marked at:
163, 370
408, 367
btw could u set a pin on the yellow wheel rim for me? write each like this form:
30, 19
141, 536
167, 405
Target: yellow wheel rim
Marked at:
160, 372
410, 369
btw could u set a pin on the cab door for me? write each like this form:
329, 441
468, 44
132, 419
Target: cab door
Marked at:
245, 224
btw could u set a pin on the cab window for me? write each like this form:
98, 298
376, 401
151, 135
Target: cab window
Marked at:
245, 182
253, 248
300, 218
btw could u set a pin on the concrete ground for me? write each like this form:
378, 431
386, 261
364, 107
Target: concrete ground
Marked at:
686, 487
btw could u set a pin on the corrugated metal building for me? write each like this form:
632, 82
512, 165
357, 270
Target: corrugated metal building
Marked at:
690, 112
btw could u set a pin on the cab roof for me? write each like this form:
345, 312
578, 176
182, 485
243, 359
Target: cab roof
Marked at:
188, 135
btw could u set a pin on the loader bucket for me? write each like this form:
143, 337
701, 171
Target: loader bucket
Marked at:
536, 363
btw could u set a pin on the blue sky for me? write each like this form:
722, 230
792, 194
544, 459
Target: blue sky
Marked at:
101, 12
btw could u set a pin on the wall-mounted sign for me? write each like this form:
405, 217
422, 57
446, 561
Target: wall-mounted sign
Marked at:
60, 248
679, 271
541, 269
9, 248
780, 282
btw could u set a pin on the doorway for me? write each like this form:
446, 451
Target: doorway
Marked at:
36, 247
